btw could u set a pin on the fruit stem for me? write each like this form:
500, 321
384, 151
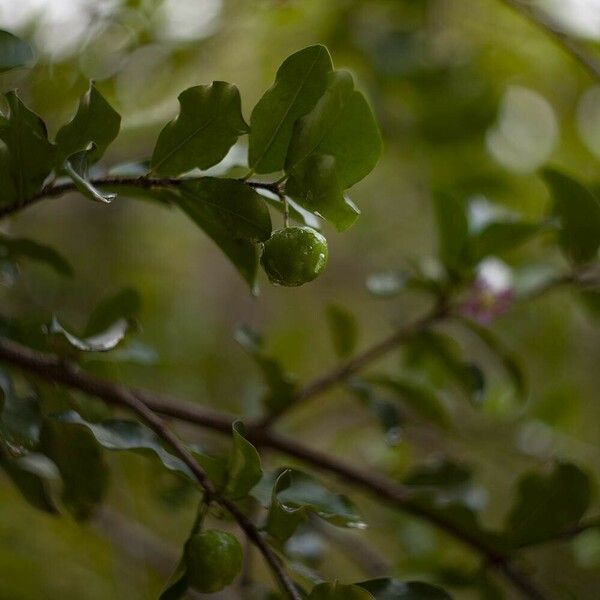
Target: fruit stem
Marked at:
286, 212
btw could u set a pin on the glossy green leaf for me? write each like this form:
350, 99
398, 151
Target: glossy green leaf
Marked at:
419, 397
95, 122
243, 469
578, 210
337, 591
75, 168
296, 212
300, 81
14, 52
314, 184
118, 434
100, 342
547, 504
20, 417
453, 230
125, 304
209, 123
394, 589
30, 475
281, 385
30, 154
509, 361
234, 206
343, 329
295, 494
341, 125
17, 248
80, 462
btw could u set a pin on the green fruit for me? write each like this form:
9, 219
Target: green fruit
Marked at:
213, 558
294, 255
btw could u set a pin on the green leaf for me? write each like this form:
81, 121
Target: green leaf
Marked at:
509, 361
209, 122
453, 230
243, 469
341, 125
419, 397
16, 248
118, 434
344, 330
14, 52
76, 168
233, 205
386, 412
30, 474
80, 462
95, 122
337, 591
300, 81
501, 236
177, 585
394, 589
8, 190
579, 213
100, 342
281, 385
30, 154
295, 494
547, 504
20, 417
125, 304
314, 184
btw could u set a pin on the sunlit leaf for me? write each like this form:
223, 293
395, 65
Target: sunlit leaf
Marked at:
14, 52
30, 154
578, 210
343, 328
76, 168
209, 122
394, 589
300, 81
547, 503
100, 342
95, 122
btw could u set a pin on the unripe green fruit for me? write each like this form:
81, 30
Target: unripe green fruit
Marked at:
294, 255
214, 558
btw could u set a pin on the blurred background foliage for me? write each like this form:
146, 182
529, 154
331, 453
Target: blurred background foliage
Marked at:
471, 99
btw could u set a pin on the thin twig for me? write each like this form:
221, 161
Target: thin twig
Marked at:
553, 29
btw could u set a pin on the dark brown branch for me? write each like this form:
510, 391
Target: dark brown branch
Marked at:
55, 369
114, 183
553, 29
146, 405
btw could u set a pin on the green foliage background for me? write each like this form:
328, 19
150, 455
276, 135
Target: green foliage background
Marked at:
435, 73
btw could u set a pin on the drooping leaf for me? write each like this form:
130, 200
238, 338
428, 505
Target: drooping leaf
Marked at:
17, 248
209, 122
14, 52
394, 589
300, 81
295, 494
343, 328
231, 204
30, 154
578, 211
341, 125
177, 585
511, 363
95, 122
125, 304
31, 474
20, 417
453, 230
76, 167
419, 397
337, 591
81, 464
314, 184
281, 385
243, 469
547, 504
100, 342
